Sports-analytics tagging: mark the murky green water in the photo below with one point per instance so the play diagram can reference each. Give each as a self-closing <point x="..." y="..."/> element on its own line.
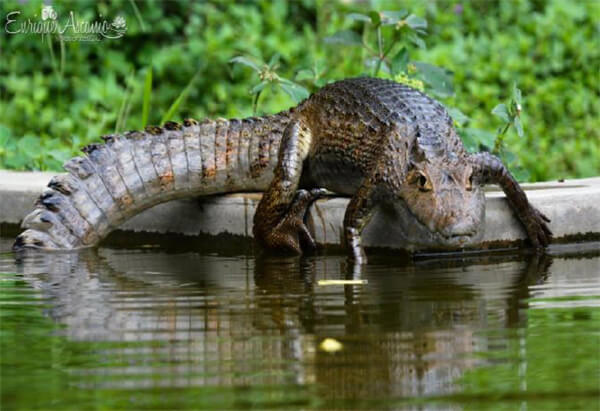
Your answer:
<point x="146" y="328"/>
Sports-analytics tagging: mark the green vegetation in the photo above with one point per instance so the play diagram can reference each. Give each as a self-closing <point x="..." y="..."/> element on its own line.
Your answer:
<point x="175" y="61"/>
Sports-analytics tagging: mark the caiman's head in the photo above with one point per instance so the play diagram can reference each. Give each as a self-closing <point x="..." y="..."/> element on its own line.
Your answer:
<point x="442" y="206"/>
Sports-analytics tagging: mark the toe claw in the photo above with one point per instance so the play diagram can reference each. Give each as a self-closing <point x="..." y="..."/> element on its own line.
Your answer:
<point x="538" y="231"/>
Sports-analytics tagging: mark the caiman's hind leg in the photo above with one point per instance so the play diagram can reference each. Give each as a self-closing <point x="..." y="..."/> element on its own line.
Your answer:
<point x="279" y="219"/>
<point x="489" y="169"/>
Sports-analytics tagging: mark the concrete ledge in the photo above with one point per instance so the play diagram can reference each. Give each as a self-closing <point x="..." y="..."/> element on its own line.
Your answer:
<point x="573" y="206"/>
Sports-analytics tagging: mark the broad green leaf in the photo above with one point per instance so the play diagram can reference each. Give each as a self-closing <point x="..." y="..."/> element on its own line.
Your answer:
<point x="457" y="115"/>
<point x="437" y="78"/>
<point x="295" y="91"/>
<point x="146" y="97"/>
<point x="274" y="60"/>
<point x="18" y="161"/>
<point x="246" y="62"/>
<point x="375" y="17"/>
<point x="400" y="61"/>
<point x="393" y="17"/>
<point x="347" y="37"/>
<point x="305" y="74"/>
<point x="508" y="156"/>
<point x="518" y="126"/>
<point x="520" y="174"/>
<point x="29" y="145"/>
<point x="259" y="87"/>
<point x="476" y="139"/>
<point x="417" y="40"/>
<point x="501" y="112"/>
<point x="416" y="22"/>
<point x="359" y="17"/>
<point x="59" y="155"/>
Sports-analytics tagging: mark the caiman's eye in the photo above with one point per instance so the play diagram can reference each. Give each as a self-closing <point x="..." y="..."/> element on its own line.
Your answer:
<point x="423" y="183"/>
<point x="469" y="184"/>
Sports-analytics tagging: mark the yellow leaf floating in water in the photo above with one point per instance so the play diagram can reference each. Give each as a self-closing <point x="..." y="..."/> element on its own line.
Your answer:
<point x="330" y="345"/>
<point x="342" y="282"/>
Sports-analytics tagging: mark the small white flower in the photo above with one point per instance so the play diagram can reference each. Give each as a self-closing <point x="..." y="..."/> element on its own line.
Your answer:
<point x="119" y="22"/>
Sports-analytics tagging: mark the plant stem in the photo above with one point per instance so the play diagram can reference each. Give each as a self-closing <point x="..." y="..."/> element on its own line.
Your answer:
<point x="500" y="139"/>
<point x="255" y="103"/>
<point x="380" y="55"/>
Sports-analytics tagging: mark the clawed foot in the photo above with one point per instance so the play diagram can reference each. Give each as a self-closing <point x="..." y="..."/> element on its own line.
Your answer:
<point x="357" y="253"/>
<point x="535" y="223"/>
<point x="292" y="234"/>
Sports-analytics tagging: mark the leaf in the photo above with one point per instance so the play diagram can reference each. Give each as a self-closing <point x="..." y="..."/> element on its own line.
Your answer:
<point x="518" y="126"/>
<point x="259" y="87"/>
<point x="359" y="17"/>
<point x="30" y="146"/>
<point x="457" y="115"/>
<point x="59" y="155"/>
<point x="305" y="74"/>
<point x="400" y="61"/>
<point x="246" y="62"/>
<point x="347" y="37"/>
<point x="5" y="138"/>
<point x="475" y="138"/>
<point x="416" y="22"/>
<point x="509" y="156"/>
<point x="516" y="94"/>
<point x="146" y="97"/>
<point x="5" y="134"/>
<point x="175" y="106"/>
<point x="437" y="78"/>
<point x="393" y="17"/>
<point x="274" y="60"/>
<point x="371" y="62"/>
<point x="501" y="112"/>
<point x="375" y="17"/>
<point x="342" y="282"/>
<point x="520" y="174"/>
<point x="18" y="161"/>
<point x="417" y="41"/>
<point x="295" y="91"/>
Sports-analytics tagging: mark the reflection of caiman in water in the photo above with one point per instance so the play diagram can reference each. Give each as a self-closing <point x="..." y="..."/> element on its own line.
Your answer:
<point x="243" y="321"/>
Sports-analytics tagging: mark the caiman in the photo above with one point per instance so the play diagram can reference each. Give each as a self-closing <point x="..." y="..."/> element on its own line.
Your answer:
<point x="375" y="140"/>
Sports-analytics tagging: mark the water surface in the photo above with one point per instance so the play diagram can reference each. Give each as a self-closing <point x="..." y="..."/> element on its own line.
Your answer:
<point x="161" y="328"/>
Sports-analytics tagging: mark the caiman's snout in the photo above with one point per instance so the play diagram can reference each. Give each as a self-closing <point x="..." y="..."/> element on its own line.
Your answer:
<point x="460" y="229"/>
<point x="460" y="233"/>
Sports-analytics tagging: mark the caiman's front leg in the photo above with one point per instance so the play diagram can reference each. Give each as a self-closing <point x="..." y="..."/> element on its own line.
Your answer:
<point x="279" y="219"/>
<point x="358" y="213"/>
<point x="489" y="169"/>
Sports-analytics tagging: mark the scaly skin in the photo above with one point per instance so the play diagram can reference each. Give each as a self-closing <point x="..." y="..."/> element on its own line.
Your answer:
<point x="137" y="170"/>
<point x="382" y="142"/>
<point x="376" y="140"/>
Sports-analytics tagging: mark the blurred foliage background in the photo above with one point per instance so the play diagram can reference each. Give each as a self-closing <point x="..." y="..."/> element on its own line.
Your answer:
<point x="56" y="96"/>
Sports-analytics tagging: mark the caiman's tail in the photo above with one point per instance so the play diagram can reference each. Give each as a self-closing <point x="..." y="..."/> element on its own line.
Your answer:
<point x="139" y="169"/>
